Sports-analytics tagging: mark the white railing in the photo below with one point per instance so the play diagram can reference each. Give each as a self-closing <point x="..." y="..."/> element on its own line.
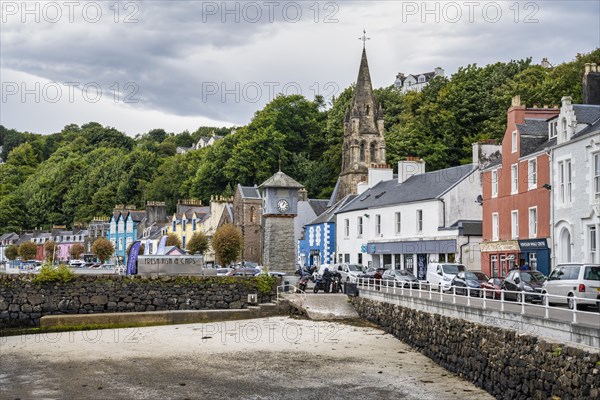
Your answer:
<point x="484" y="297"/>
<point x="291" y="292"/>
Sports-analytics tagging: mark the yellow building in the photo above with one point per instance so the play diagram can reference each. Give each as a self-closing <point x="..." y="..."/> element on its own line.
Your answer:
<point x="191" y="217"/>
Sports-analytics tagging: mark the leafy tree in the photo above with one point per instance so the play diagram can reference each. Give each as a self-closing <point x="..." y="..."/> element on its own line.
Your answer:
<point x="173" y="240"/>
<point x="12" y="252"/>
<point x="49" y="249"/>
<point x="76" y="251"/>
<point x="198" y="244"/>
<point x="28" y="250"/>
<point x="103" y="249"/>
<point x="227" y="243"/>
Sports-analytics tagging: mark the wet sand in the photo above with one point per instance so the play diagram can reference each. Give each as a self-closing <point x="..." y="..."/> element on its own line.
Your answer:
<point x="271" y="358"/>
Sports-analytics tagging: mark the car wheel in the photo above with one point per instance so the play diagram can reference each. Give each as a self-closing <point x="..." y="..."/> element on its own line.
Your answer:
<point x="315" y="289"/>
<point x="571" y="301"/>
<point x="519" y="297"/>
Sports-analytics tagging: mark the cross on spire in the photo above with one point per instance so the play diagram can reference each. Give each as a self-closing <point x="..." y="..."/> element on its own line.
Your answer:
<point x="364" y="38"/>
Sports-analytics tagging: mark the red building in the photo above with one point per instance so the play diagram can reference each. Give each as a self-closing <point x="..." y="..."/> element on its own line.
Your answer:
<point x="516" y="195"/>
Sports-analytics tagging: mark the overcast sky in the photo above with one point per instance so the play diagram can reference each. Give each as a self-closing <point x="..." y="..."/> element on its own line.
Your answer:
<point x="182" y="64"/>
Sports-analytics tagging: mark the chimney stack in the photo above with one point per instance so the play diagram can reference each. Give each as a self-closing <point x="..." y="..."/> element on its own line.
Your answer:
<point x="591" y="84"/>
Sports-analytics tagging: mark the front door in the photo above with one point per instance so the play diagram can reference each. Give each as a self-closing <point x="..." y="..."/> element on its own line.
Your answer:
<point x="421" y="266"/>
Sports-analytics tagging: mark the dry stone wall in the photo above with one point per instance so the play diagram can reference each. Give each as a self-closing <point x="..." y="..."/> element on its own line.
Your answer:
<point x="23" y="302"/>
<point x="504" y="363"/>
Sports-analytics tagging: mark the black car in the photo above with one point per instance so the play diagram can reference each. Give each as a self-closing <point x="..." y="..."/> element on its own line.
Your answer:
<point x="471" y="280"/>
<point x="528" y="282"/>
<point x="401" y="278"/>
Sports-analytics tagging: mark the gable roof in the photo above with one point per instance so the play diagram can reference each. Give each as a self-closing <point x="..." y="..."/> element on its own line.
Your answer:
<point x="249" y="192"/>
<point x="318" y="206"/>
<point x="427" y="186"/>
<point x="329" y="214"/>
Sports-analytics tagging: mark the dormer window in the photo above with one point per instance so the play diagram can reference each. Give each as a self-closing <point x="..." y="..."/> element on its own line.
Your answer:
<point x="514" y="142"/>
<point x="421" y="79"/>
<point x="552" y="129"/>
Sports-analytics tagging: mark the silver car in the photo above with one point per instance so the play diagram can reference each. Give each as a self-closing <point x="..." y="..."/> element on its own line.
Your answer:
<point x="574" y="280"/>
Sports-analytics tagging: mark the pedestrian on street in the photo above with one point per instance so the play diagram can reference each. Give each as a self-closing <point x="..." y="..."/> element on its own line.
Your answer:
<point x="377" y="277"/>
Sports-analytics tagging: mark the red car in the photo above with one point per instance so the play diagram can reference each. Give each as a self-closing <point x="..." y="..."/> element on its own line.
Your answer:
<point x="493" y="288"/>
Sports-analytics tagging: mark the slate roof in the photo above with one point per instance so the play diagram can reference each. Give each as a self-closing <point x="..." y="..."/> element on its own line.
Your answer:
<point x="586" y="113"/>
<point x="592" y="128"/>
<point x="329" y="214"/>
<point x="281" y="180"/>
<point x="467" y="227"/>
<point x="318" y="206"/>
<point x="137" y="216"/>
<point x="10" y="235"/>
<point x="430" y="185"/>
<point x="334" y="194"/>
<point x="24" y="238"/>
<point x="189" y="211"/>
<point x="544" y="145"/>
<point x="249" y="192"/>
<point x="533" y="127"/>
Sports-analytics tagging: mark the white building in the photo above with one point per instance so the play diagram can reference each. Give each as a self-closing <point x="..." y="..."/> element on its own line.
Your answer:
<point x="418" y="218"/>
<point x="408" y="83"/>
<point x="576" y="183"/>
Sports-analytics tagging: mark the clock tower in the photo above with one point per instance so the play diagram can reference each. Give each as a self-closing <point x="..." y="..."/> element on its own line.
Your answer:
<point x="280" y="207"/>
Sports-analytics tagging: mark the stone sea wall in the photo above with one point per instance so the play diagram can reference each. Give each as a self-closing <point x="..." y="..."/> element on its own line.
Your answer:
<point x="504" y="363"/>
<point x="23" y="302"/>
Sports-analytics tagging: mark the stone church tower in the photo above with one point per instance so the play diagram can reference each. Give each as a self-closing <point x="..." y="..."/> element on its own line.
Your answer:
<point x="364" y="144"/>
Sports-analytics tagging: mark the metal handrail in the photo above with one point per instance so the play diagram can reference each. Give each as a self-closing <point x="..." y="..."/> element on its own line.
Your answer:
<point x="296" y="292"/>
<point x="389" y="286"/>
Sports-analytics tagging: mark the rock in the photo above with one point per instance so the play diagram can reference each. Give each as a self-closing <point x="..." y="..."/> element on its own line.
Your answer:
<point x="99" y="299"/>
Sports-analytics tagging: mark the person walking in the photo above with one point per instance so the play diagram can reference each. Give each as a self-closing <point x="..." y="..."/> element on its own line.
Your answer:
<point x="377" y="277"/>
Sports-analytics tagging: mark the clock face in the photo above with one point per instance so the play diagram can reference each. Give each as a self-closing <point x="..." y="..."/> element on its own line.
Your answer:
<point x="283" y="205"/>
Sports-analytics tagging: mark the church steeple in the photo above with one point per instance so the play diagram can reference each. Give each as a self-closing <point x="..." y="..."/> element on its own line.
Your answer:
<point x="364" y="106"/>
<point x="364" y="144"/>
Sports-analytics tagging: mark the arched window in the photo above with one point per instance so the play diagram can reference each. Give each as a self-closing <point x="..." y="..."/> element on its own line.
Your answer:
<point x="252" y="210"/>
<point x="372" y="151"/>
<point x="362" y="151"/>
<point x="564" y="128"/>
<point x="368" y="110"/>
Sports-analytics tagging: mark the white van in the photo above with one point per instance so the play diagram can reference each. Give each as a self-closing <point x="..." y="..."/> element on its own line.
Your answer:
<point x="439" y="275"/>
<point x="76" y="263"/>
<point x="574" y="280"/>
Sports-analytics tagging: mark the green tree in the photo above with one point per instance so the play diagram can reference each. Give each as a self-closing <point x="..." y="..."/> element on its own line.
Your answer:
<point x="49" y="250"/>
<point x="12" y="252"/>
<point x="76" y="251"/>
<point x="227" y="243"/>
<point x="198" y="244"/>
<point x="28" y="250"/>
<point x="173" y="240"/>
<point x="103" y="249"/>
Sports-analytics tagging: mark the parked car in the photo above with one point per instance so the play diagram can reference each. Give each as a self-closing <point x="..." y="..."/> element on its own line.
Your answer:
<point x="574" y="280"/>
<point x="244" y="272"/>
<point x="223" y="271"/>
<point x="469" y="282"/>
<point x="349" y="272"/>
<point x="370" y="272"/>
<point x="401" y="278"/>
<point x="528" y="283"/>
<point x="76" y="263"/>
<point x="493" y="288"/>
<point x="439" y="275"/>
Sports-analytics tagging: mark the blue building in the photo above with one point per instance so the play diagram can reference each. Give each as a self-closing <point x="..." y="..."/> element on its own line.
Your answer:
<point x="316" y="245"/>
<point x="124" y="229"/>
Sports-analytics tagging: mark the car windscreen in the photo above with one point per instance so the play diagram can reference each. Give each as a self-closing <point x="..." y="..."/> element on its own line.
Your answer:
<point x="592" y="273"/>
<point x="453" y="268"/>
<point x="352" y="267"/>
<point x="532" y="276"/>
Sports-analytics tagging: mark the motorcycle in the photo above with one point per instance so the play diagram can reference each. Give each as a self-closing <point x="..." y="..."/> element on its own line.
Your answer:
<point x="322" y="283"/>
<point x="303" y="282"/>
<point x="336" y="282"/>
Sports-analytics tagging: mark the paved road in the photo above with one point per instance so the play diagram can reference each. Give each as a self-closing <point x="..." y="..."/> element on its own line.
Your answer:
<point x="589" y="317"/>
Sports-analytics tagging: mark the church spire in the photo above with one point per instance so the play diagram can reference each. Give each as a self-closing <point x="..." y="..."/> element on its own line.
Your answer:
<point x="364" y="106"/>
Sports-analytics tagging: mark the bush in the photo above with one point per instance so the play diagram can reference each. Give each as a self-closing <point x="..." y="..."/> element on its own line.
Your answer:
<point x="48" y="273"/>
